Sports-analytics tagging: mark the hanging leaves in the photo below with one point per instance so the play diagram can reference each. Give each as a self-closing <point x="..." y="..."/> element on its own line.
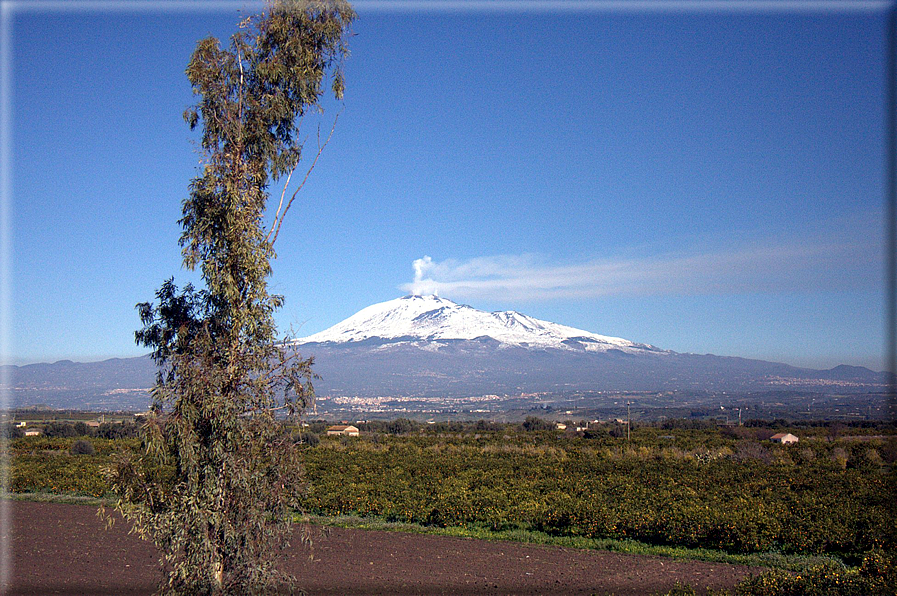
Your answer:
<point x="220" y="474"/>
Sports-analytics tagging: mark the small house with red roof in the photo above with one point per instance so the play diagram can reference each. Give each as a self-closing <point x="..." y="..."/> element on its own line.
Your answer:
<point x="342" y="429"/>
<point x="783" y="438"/>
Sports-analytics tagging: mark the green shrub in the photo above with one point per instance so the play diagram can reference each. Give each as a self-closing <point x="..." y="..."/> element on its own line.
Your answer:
<point x="535" y="423"/>
<point x="60" y="430"/>
<point x="82" y="448"/>
<point x="117" y="430"/>
<point x="309" y="438"/>
<point x="876" y="576"/>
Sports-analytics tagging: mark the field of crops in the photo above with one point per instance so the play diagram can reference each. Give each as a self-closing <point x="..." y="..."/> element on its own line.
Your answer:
<point x="694" y="488"/>
<point x="567" y="488"/>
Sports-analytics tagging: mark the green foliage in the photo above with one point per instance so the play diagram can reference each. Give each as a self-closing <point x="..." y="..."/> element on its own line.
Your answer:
<point x="83" y="430"/>
<point x="60" y="429"/>
<point x="124" y="430"/>
<point x="685" y="423"/>
<point x="58" y="446"/>
<point x="218" y="479"/>
<point x="876" y="576"/>
<point x="48" y="471"/>
<point x="534" y="423"/>
<point x="308" y="438"/>
<point x="83" y="447"/>
<point x="689" y="492"/>
<point x="400" y="426"/>
<point x="704" y="498"/>
<point x="107" y="430"/>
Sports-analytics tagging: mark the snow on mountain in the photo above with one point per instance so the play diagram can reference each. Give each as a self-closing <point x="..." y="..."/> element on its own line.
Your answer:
<point x="431" y="318"/>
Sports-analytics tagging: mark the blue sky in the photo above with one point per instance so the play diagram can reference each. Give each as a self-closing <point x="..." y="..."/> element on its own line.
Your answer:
<point x="707" y="181"/>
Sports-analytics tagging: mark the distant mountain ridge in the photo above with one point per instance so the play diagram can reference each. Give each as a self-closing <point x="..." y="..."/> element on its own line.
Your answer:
<point x="113" y="384"/>
<point x="431" y="346"/>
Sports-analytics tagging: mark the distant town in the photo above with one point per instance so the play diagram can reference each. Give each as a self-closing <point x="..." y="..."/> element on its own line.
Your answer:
<point x="721" y="408"/>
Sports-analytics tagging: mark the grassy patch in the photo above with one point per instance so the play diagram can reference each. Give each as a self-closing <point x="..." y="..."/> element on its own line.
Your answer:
<point x="71" y="499"/>
<point x="632" y="547"/>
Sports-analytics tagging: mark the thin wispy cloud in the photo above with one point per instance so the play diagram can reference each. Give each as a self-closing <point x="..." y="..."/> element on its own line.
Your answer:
<point x="760" y="267"/>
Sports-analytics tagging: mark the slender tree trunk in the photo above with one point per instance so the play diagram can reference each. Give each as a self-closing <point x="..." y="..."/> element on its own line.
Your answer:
<point x="217" y="574"/>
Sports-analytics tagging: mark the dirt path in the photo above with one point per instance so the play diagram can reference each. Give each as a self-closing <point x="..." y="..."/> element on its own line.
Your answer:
<point x="65" y="549"/>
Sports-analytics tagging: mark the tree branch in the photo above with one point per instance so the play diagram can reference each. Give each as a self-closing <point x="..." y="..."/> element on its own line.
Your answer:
<point x="285" y="186"/>
<point x="279" y="222"/>
<point x="280" y="206"/>
<point x="240" y="99"/>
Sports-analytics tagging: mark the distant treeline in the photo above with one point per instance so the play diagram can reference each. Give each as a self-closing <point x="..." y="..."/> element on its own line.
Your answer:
<point x="46" y="413"/>
<point x="107" y="430"/>
<point x="401" y="426"/>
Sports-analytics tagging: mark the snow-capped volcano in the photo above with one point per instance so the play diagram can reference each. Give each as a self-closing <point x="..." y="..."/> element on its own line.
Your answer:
<point x="434" y="349"/>
<point x="431" y="318"/>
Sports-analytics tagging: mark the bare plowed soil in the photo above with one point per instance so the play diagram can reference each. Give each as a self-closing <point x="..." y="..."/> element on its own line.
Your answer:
<point x="66" y="549"/>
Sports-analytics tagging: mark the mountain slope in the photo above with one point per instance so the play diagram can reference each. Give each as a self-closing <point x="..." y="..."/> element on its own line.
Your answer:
<point x="430" y="318"/>
<point x="426" y="345"/>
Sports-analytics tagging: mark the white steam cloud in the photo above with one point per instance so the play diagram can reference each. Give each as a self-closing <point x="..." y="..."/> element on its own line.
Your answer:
<point x="760" y="267"/>
<point x="421" y="286"/>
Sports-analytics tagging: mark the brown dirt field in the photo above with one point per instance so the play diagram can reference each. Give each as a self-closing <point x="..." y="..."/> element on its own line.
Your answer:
<point x="65" y="549"/>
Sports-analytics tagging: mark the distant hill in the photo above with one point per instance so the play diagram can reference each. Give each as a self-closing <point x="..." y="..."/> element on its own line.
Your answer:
<point x="114" y="384"/>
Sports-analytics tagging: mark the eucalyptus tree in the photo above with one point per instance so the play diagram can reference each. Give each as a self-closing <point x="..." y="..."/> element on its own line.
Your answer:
<point x="217" y="482"/>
